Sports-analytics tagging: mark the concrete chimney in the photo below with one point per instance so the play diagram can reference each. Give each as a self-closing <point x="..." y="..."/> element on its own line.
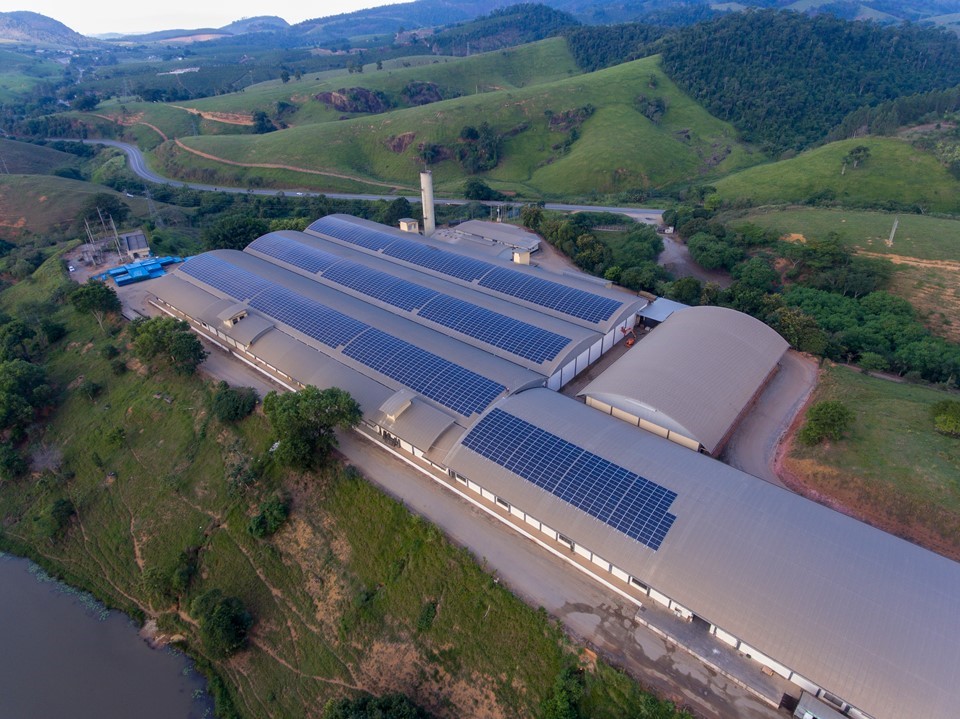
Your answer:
<point x="426" y="197"/>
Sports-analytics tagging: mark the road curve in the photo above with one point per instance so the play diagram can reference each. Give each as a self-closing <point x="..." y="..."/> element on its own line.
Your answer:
<point x="139" y="166"/>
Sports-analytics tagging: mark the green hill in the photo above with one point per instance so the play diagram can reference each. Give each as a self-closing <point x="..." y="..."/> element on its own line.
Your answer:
<point x="23" y="158"/>
<point x="40" y="204"/>
<point x="895" y="175"/>
<point x="576" y="136"/>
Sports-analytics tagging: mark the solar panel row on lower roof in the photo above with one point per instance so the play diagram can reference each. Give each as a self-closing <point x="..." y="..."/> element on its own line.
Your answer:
<point x="546" y="293"/>
<point x="315" y="320"/>
<point x="520" y="338"/>
<point x="223" y="276"/>
<point x="293" y="253"/>
<point x="613" y="494"/>
<point x="430" y="375"/>
<point x="387" y="288"/>
<point x="451" y="385"/>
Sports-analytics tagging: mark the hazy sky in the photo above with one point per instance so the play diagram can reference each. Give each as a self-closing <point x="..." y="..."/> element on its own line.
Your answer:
<point x="96" y="17"/>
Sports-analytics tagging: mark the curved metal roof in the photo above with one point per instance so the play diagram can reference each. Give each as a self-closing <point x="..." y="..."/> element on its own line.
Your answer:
<point x="865" y="615"/>
<point x="693" y="374"/>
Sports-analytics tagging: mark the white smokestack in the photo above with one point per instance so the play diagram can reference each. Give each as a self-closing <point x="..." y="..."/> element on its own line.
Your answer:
<point x="426" y="197"/>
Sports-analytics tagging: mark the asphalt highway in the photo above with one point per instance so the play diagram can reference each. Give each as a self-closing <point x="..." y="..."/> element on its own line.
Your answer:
<point x="139" y="166"/>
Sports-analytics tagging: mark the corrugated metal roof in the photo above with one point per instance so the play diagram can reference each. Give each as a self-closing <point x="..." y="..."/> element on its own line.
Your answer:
<point x="661" y="308"/>
<point x="867" y="616"/>
<point x="699" y="370"/>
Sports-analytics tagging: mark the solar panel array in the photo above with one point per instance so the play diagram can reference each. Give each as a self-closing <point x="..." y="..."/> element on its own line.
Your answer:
<point x="546" y="293"/>
<point x="379" y="285"/>
<point x="224" y="276"/>
<point x="432" y="376"/>
<point x="613" y="494"/>
<point x="332" y="328"/>
<point x="520" y="338"/>
<point x="569" y="300"/>
<point x="449" y="384"/>
<point x="293" y="253"/>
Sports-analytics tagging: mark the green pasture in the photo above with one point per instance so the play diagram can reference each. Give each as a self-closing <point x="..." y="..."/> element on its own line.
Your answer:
<point x="895" y="171"/>
<point x="920" y="236"/>
<point x="893" y="466"/>
<point x="618" y="147"/>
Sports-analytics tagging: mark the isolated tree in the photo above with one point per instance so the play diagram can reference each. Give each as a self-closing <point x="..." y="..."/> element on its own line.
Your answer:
<point x="13" y="340"/>
<point x="224" y="622"/>
<point x="169" y="340"/>
<point x="946" y="417"/>
<point x="262" y="123"/>
<point x="304" y="423"/>
<point x="284" y="76"/>
<point x="858" y="154"/>
<point x="531" y="216"/>
<point x="231" y="404"/>
<point x="96" y="298"/>
<point x="829" y="419"/>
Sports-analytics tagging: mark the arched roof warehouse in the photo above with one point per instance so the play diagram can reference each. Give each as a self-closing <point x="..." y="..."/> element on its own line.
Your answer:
<point x="694" y="375"/>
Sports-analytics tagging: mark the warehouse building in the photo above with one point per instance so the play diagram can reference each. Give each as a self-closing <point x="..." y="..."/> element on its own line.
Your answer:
<point x="452" y="358"/>
<point x="693" y="378"/>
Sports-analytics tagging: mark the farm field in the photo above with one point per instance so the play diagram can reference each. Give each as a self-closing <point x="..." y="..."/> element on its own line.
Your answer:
<point x="893" y="470"/>
<point x="895" y="171"/>
<point x="615" y="148"/>
<point x="925" y="253"/>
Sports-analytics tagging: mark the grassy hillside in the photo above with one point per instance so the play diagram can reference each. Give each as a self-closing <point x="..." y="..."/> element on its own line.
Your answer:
<point x="38" y="204"/>
<point x="22" y="158"/>
<point x="618" y="147"/>
<point x="353" y="595"/>
<point x="925" y="252"/>
<point x="518" y="67"/>
<point x="895" y="171"/>
<point x="917" y="236"/>
<point x="893" y="470"/>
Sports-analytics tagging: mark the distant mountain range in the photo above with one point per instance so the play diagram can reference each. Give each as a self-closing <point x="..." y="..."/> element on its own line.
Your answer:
<point x="33" y="28"/>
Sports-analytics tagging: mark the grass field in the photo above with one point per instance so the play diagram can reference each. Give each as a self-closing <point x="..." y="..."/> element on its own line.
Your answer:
<point x="893" y="470"/>
<point x="925" y="250"/>
<point x="23" y="158"/>
<point x="618" y="147"/>
<point x="895" y="171"/>
<point x="34" y="205"/>
<point x="354" y="595"/>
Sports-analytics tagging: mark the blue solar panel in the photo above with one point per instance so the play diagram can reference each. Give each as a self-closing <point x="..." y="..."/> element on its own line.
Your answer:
<point x="613" y="494"/>
<point x="294" y="253"/>
<point x="546" y="293"/>
<point x="223" y="276"/>
<point x="373" y="283"/>
<point x="365" y="237"/>
<point x="433" y="258"/>
<point x="520" y="338"/>
<point x="315" y="320"/>
<point x="449" y="384"/>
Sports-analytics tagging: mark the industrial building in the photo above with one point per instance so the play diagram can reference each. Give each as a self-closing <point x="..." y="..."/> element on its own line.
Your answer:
<point x="456" y="359"/>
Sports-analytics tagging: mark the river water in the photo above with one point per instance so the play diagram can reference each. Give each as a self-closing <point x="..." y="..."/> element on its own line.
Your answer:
<point x="63" y="655"/>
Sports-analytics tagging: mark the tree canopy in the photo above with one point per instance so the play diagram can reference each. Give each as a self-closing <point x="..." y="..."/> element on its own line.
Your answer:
<point x="389" y="706"/>
<point x="96" y="298"/>
<point x="170" y="341"/>
<point x="224" y="622"/>
<point x="304" y="423"/>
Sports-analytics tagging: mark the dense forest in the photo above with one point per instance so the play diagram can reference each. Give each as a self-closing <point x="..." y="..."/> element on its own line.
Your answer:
<point x="596" y="47"/>
<point x="506" y="27"/>
<point x="785" y="79"/>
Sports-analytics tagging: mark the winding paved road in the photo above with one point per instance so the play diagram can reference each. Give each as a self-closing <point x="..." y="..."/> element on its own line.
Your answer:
<point x="139" y="166"/>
